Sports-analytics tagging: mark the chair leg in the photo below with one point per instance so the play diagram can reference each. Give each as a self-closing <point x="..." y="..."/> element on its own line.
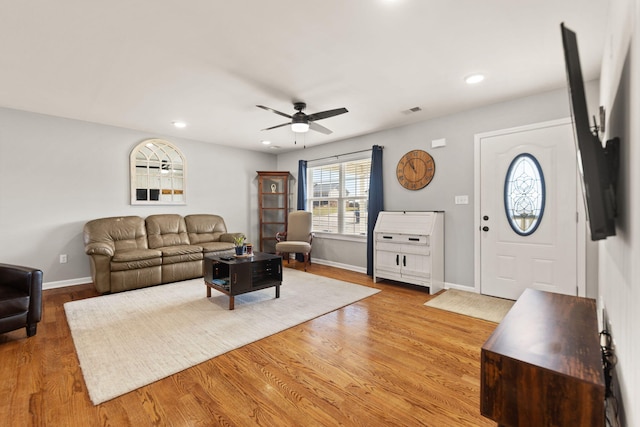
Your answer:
<point x="306" y="261"/>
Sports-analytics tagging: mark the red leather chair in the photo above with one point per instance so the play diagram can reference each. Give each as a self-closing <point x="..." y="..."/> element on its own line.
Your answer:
<point x="20" y="298"/>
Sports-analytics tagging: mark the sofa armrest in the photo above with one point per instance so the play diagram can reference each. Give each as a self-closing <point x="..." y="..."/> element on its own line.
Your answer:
<point x="99" y="248"/>
<point x="229" y="237"/>
<point x="27" y="280"/>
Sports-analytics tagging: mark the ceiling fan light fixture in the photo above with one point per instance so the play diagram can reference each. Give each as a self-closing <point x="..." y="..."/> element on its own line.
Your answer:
<point x="300" y="127"/>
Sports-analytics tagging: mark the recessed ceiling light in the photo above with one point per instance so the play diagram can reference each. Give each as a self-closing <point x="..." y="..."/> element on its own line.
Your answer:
<point x="266" y="142"/>
<point x="179" y="125"/>
<point x="274" y="147"/>
<point x="474" y="78"/>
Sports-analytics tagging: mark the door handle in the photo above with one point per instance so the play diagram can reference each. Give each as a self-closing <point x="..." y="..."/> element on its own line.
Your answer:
<point x="397" y="259"/>
<point x="404" y="260"/>
<point x="485" y="228"/>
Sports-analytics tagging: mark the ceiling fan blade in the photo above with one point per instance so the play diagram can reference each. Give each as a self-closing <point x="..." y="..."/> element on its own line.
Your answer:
<point x="277" y="126"/>
<point x="325" y="114"/>
<point x="318" y="128"/>
<point x="274" y="111"/>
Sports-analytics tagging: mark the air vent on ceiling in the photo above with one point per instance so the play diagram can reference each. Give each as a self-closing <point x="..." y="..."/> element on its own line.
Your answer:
<point x="412" y="110"/>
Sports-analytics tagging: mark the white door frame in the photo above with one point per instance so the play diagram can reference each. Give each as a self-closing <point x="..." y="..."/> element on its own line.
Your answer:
<point x="581" y="227"/>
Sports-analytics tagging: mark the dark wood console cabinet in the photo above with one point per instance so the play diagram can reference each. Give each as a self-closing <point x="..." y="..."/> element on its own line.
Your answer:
<point x="542" y="366"/>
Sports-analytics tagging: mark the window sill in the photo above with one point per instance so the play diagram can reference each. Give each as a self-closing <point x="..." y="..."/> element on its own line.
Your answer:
<point x="343" y="237"/>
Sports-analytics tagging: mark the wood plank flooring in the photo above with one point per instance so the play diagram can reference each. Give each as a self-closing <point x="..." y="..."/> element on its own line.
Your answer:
<point x="386" y="360"/>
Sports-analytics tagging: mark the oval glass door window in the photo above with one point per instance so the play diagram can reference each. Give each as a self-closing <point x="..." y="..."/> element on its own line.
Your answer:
<point x="524" y="194"/>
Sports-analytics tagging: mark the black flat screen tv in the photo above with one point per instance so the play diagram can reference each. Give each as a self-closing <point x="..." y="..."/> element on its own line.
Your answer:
<point x="598" y="165"/>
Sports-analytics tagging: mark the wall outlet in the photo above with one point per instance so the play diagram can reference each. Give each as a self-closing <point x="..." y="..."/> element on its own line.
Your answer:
<point x="63" y="258"/>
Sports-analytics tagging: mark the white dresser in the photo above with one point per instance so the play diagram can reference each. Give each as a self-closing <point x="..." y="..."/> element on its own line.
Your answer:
<point x="409" y="247"/>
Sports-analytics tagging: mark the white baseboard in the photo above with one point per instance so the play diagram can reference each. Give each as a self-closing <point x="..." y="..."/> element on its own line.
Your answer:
<point x="448" y="285"/>
<point x="65" y="283"/>
<point x="339" y="265"/>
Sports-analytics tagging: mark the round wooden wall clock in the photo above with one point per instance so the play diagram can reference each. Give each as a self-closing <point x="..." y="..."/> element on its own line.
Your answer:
<point x="415" y="170"/>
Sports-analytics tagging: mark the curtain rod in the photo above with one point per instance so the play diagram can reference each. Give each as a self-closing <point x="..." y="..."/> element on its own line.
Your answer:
<point x="343" y="154"/>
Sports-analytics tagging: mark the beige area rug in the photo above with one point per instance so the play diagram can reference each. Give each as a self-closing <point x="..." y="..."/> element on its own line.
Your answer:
<point x="128" y="340"/>
<point x="472" y="304"/>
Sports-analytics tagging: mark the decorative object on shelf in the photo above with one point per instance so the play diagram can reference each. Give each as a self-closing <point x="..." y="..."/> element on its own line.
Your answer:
<point x="415" y="170"/>
<point x="273" y="207"/>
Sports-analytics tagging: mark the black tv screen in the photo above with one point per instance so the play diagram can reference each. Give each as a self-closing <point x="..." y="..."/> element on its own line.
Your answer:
<point x="597" y="164"/>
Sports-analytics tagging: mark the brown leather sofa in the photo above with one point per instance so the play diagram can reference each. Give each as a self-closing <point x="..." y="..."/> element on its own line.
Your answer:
<point x="131" y="252"/>
<point x="20" y="298"/>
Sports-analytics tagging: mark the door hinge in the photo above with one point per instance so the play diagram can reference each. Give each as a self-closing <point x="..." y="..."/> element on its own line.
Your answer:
<point x="577" y="217"/>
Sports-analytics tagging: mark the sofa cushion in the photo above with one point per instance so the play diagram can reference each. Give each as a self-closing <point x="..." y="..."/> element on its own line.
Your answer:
<point x="166" y="230"/>
<point x="136" y="255"/>
<point x="118" y="233"/>
<point x="182" y="253"/>
<point x="216" y="246"/>
<point x="204" y="228"/>
<point x="134" y="259"/>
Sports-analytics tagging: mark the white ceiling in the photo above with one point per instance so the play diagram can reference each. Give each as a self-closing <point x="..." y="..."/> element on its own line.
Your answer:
<point x="144" y="64"/>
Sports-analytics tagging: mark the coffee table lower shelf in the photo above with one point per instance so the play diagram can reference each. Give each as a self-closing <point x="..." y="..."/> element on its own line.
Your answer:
<point x="242" y="275"/>
<point x="232" y="296"/>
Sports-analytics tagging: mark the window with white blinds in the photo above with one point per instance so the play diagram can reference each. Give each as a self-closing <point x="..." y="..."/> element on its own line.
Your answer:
<point x="337" y="195"/>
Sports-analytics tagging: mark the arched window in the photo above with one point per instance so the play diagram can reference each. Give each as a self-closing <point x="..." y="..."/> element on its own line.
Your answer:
<point x="158" y="172"/>
<point x="524" y="194"/>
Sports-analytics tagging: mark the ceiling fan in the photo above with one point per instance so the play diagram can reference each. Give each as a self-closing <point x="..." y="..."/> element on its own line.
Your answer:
<point x="301" y="122"/>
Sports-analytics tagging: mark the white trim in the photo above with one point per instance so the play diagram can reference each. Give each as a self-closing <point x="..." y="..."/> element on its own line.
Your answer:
<point x="581" y="246"/>
<point x="339" y="265"/>
<point x="344" y="237"/>
<point x="465" y="288"/>
<point x="65" y="283"/>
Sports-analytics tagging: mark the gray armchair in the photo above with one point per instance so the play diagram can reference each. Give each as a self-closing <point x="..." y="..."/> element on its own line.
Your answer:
<point x="298" y="237"/>
<point x="20" y="298"/>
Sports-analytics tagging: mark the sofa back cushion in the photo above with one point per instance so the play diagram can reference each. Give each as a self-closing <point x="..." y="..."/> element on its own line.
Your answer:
<point x="166" y="230"/>
<point x="120" y="233"/>
<point x="203" y="228"/>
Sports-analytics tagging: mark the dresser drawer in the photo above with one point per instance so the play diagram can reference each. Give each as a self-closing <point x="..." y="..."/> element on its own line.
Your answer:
<point x="415" y="239"/>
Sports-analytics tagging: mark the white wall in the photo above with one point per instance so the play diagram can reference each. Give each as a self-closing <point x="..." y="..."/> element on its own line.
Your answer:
<point x="60" y="173"/>
<point x="454" y="172"/>
<point x="620" y="255"/>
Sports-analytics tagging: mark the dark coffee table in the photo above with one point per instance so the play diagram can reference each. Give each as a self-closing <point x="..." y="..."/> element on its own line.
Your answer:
<point x="242" y="274"/>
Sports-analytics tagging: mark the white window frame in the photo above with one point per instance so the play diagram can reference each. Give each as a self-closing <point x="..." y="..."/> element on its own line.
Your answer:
<point x="341" y="199"/>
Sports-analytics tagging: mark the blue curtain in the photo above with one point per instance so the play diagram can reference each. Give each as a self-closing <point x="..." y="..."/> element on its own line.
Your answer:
<point x="302" y="193"/>
<point x="302" y="185"/>
<point x="376" y="201"/>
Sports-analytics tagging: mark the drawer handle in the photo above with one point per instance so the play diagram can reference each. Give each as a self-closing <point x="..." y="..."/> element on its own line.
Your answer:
<point x="414" y="239"/>
<point x="387" y="237"/>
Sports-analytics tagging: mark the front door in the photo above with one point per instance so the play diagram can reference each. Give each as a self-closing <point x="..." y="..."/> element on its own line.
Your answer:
<point x="528" y="224"/>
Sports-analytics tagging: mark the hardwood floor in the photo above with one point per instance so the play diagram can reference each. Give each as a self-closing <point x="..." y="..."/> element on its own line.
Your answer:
<point x="385" y="360"/>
